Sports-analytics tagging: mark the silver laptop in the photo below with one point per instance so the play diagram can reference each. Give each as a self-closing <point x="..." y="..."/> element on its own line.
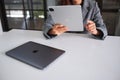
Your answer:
<point x="35" y="54"/>
<point x="70" y="16"/>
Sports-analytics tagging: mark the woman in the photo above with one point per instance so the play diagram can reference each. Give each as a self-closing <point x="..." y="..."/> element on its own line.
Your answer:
<point x="92" y="20"/>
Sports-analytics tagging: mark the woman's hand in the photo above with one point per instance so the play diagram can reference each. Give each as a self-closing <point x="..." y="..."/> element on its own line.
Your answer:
<point x="58" y="29"/>
<point x="91" y="27"/>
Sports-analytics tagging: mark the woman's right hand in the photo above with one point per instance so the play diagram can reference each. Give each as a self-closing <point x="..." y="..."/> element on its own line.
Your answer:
<point x="58" y="29"/>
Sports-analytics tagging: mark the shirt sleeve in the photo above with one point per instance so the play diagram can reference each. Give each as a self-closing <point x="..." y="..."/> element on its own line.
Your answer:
<point x="48" y="26"/>
<point x="97" y="18"/>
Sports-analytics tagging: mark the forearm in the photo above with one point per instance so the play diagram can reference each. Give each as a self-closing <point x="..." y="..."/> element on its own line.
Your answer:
<point x="102" y="32"/>
<point x="47" y="27"/>
<point x="100" y="26"/>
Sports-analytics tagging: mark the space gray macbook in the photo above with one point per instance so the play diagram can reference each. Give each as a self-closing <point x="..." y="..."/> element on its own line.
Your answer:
<point x="70" y="16"/>
<point x="35" y="54"/>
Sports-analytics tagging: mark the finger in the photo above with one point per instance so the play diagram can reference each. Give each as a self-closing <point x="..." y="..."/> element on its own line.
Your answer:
<point x="91" y="26"/>
<point x="92" y="30"/>
<point x="89" y="22"/>
<point x="56" y="27"/>
<point x="60" y="25"/>
<point x="62" y="29"/>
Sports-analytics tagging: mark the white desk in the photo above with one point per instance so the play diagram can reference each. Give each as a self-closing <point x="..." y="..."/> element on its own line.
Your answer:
<point x="85" y="58"/>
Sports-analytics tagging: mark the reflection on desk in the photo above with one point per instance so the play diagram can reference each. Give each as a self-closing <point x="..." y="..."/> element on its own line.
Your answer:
<point x="85" y="58"/>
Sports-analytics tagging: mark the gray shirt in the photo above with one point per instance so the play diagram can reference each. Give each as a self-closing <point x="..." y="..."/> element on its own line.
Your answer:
<point x="90" y="11"/>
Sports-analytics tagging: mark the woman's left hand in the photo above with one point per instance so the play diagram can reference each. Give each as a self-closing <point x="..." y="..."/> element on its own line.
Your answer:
<point x="91" y="27"/>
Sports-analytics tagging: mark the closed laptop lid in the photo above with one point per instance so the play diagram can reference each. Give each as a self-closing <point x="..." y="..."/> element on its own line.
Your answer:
<point x="68" y="15"/>
<point x="35" y="54"/>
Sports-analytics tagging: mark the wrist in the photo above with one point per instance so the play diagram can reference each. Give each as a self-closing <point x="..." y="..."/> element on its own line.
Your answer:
<point x="96" y="33"/>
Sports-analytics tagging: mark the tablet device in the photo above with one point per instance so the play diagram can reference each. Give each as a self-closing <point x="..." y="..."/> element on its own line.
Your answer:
<point x="35" y="54"/>
<point x="68" y="15"/>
